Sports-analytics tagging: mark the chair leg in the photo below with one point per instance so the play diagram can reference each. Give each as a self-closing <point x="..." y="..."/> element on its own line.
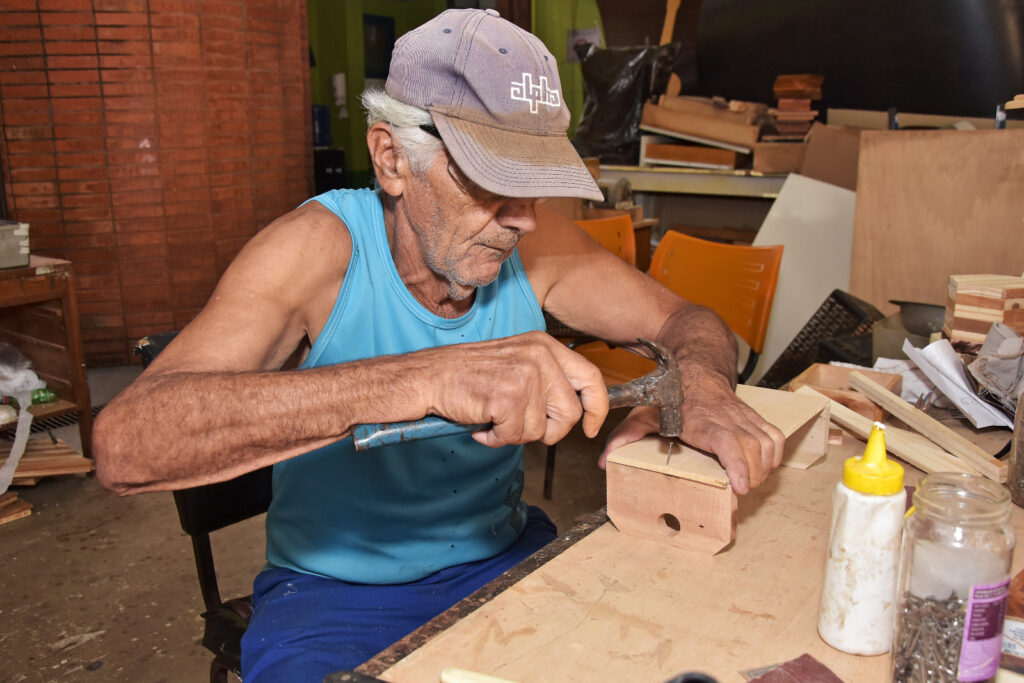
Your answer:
<point x="549" y="472"/>
<point x="219" y="671"/>
<point x="748" y="369"/>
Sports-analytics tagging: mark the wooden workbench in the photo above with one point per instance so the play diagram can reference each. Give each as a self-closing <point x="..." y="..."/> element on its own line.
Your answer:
<point x="612" y="607"/>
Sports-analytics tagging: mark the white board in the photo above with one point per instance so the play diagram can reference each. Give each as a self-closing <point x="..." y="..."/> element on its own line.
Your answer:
<point x="814" y="223"/>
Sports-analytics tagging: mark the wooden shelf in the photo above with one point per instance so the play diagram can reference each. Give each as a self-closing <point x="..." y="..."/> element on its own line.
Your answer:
<point x="39" y="316"/>
<point x="45" y="410"/>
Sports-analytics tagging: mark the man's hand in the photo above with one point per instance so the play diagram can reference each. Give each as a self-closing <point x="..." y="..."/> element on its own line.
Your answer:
<point x="717" y="421"/>
<point x="526" y="386"/>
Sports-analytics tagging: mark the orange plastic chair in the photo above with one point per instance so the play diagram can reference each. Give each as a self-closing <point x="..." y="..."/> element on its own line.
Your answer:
<point x="614" y="233"/>
<point x="735" y="281"/>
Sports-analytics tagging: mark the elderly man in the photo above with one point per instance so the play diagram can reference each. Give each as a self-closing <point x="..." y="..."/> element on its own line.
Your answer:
<point x="422" y="297"/>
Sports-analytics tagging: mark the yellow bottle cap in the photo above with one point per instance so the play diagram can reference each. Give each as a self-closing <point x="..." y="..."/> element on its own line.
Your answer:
<point x="873" y="473"/>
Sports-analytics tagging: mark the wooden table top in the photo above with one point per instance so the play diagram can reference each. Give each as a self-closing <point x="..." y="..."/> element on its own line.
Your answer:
<point x="614" y="607"/>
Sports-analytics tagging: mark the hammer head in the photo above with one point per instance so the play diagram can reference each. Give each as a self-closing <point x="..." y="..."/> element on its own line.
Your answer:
<point x="662" y="388"/>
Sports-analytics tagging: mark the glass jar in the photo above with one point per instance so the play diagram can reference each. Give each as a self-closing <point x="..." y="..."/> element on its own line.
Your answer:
<point x="954" y="580"/>
<point x="1015" y="475"/>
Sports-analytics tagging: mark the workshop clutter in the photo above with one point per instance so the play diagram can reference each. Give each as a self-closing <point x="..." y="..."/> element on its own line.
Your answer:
<point x="720" y="134"/>
<point x="616" y="83"/>
<point x="25" y="460"/>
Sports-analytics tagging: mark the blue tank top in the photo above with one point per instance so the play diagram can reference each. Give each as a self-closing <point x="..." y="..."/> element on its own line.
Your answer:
<point x="398" y="513"/>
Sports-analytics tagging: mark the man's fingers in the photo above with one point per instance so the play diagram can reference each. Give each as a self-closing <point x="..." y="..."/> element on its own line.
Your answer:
<point x="532" y="394"/>
<point x="585" y="378"/>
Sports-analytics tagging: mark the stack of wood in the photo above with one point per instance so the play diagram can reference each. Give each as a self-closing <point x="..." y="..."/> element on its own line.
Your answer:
<point x="700" y="132"/>
<point x="794" y="94"/>
<point x="928" y="445"/>
<point x="42" y="458"/>
<point x="975" y="302"/>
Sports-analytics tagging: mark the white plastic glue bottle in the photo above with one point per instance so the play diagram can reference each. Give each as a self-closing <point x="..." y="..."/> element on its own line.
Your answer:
<point x="859" y="594"/>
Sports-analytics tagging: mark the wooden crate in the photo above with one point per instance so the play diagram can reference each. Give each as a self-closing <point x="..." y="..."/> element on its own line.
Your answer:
<point x="834" y="381"/>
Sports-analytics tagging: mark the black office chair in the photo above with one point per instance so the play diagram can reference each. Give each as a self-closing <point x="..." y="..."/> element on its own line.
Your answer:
<point x="205" y="509"/>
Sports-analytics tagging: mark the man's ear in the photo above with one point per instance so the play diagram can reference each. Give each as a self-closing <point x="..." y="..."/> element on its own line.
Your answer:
<point x="388" y="164"/>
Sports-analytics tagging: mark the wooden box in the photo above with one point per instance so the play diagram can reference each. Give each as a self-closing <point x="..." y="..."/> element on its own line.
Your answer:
<point x="834" y="381"/>
<point x="683" y="497"/>
<point x="779" y="157"/>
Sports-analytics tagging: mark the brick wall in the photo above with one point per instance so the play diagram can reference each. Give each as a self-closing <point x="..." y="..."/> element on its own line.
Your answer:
<point x="146" y="141"/>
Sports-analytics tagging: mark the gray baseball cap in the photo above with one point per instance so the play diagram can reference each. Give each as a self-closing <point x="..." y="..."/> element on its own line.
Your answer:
<point x="496" y="99"/>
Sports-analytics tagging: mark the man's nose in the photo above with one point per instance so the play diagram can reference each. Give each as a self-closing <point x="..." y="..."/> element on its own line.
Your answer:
<point x="519" y="214"/>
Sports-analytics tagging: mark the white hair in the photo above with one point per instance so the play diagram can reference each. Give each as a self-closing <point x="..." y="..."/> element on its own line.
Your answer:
<point x="420" y="148"/>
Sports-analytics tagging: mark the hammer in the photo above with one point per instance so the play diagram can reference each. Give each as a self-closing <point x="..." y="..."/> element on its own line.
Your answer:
<point x="662" y="387"/>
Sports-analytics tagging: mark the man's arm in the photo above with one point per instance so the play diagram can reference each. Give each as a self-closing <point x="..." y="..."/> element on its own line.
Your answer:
<point x="213" y="404"/>
<point x="592" y="290"/>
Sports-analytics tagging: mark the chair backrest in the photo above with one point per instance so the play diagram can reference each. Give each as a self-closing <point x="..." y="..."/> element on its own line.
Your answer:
<point x="737" y="282"/>
<point x="614" y="233"/>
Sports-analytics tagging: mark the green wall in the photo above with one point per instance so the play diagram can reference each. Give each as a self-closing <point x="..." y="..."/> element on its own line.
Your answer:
<point x="552" y="19"/>
<point x="336" y="40"/>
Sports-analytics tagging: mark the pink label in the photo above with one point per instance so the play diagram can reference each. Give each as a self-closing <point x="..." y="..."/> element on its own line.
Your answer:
<point x="983" y="631"/>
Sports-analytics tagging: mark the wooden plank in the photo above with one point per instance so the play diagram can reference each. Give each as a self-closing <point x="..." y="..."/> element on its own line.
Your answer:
<point x="734" y="111"/>
<point x="21" y="508"/>
<point x="695" y="156"/>
<point x="43" y="458"/>
<point x="669" y="456"/>
<point x="917" y="193"/>
<point x="905" y="445"/>
<point x="738" y="136"/>
<point x="931" y="428"/>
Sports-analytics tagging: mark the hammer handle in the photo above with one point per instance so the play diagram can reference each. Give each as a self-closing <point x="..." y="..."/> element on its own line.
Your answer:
<point x="365" y="437"/>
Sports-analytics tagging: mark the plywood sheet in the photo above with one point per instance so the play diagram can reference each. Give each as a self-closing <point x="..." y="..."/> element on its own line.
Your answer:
<point x="931" y="204"/>
<point x="813" y="220"/>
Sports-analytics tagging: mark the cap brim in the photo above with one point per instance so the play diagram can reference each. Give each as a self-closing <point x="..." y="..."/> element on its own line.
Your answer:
<point x="514" y="164"/>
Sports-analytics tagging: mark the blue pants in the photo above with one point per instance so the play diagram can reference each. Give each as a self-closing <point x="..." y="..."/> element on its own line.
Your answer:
<point x="304" y="627"/>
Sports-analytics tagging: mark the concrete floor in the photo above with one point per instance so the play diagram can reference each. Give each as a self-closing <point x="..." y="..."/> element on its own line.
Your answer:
<point x="101" y="588"/>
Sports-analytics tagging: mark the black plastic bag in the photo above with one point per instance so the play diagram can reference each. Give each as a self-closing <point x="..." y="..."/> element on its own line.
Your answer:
<point x="616" y="83"/>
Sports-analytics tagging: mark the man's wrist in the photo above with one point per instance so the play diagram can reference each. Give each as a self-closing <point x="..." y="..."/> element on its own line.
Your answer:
<point x="701" y="377"/>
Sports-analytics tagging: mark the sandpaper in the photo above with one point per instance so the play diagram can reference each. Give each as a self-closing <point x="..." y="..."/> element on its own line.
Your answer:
<point x="803" y="669"/>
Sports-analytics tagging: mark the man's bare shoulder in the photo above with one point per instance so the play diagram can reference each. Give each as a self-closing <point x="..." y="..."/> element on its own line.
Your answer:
<point x="309" y="231"/>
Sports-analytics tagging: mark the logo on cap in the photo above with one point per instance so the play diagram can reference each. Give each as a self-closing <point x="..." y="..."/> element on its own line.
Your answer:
<point x="526" y="91"/>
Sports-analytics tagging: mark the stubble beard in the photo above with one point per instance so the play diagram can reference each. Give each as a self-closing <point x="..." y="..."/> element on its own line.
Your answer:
<point x="444" y="264"/>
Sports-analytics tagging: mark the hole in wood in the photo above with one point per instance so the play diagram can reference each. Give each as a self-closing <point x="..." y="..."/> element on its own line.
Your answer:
<point x="669" y="524"/>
